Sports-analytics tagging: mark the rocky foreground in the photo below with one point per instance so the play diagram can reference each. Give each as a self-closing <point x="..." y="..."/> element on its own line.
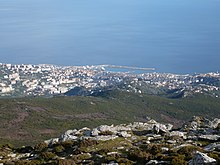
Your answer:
<point x="196" y="142"/>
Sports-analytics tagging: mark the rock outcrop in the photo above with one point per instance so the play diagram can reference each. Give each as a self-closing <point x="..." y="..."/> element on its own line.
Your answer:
<point x="202" y="159"/>
<point x="197" y="142"/>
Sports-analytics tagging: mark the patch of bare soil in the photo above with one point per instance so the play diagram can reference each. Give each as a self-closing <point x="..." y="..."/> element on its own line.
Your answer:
<point x="176" y="123"/>
<point x="36" y="108"/>
<point x="47" y="131"/>
<point x="87" y="116"/>
<point x="19" y="118"/>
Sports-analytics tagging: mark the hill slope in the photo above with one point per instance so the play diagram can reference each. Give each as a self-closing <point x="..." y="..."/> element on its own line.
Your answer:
<point x="30" y="120"/>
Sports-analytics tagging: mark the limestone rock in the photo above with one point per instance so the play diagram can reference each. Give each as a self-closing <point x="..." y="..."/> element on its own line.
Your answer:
<point x="124" y="134"/>
<point x="201" y="159"/>
<point x="178" y="133"/>
<point x="52" y="141"/>
<point x="105" y="138"/>
<point x="95" y="132"/>
<point x="68" y="135"/>
<point x="212" y="147"/>
<point x="210" y="137"/>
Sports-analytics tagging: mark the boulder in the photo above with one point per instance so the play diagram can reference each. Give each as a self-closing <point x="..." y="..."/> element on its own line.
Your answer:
<point x="201" y="159"/>
<point x="95" y="132"/>
<point x="70" y="132"/>
<point x="169" y="127"/>
<point x="105" y="138"/>
<point x="83" y="131"/>
<point x="212" y="147"/>
<point x="214" y="124"/>
<point x="177" y="133"/>
<point x="157" y="162"/>
<point x="52" y="141"/>
<point x="160" y="128"/>
<point x="124" y="134"/>
<point x="68" y="135"/>
<point x="104" y="128"/>
<point x="210" y="137"/>
<point x="121" y="127"/>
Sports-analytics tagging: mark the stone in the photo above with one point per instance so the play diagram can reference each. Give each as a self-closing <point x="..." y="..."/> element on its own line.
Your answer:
<point x="201" y="159"/>
<point x="82" y="131"/>
<point x="95" y="132"/>
<point x="152" y="162"/>
<point x="105" y="138"/>
<point x="182" y="145"/>
<point x="121" y="127"/>
<point x="212" y="147"/>
<point x="68" y="132"/>
<point x="157" y="162"/>
<point x="164" y="149"/>
<point x="67" y="136"/>
<point x="112" y="163"/>
<point x="210" y="137"/>
<point x="171" y="141"/>
<point x="177" y="133"/>
<point x="52" y="141"/>
<point x="160" y="128"/>
<point x="124" y="134"/>
<point x="169" y="127"/>
<point x="112" y="153"/>
<point x="104" y="128"/>
<point x="215" y="123"/>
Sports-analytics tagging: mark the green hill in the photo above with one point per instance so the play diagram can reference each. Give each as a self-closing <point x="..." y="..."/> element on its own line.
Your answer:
<point x="30" y="120"/>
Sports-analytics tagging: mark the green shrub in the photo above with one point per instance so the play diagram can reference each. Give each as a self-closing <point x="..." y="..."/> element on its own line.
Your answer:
<point x="47" y="156"/>
<point x="80" y="157"/>
<point x="40" y="147"/>
<point x="28" y="162"/>
<point x="59" y="149"/>
<point x="66" y="162"/>
<point x="87" y="142"/>
<point x="139" y="156"/>
<point x="188" y="151"/>
<point x="179" y="160"/>
<point x="155" y="149"/>
<point x="106" y="133"/>
<point x="68" y="144"/>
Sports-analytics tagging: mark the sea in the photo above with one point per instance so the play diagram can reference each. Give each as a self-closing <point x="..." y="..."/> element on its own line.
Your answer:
<point x="177" y="36"/>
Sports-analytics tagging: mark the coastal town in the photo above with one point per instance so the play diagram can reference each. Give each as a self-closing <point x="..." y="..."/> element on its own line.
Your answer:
<point x="47" y="80"/>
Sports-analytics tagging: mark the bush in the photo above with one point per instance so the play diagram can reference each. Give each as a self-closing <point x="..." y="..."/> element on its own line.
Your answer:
<point x="59" y="149"/>
<point x="139" y="156"/>
<point x="8" y="145"/>
<point x="26" y="149"/>
<point x="106" y="133"/>
<point x="188" y="151"/>
<point x="66" y="162"/>
<point x="87" y="143"/>
<point x="179" y="160"/>
<point x="80" y="157"/>
<point x="47" y="156"/>
<point x="68" y="144"/>
<point x="28" y="162"/>
<point x="155" y="149"/>
<point x="41" y="147"/>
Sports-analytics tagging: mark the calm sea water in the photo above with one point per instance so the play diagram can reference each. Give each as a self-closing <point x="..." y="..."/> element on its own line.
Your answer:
<point x="179" y="36"/>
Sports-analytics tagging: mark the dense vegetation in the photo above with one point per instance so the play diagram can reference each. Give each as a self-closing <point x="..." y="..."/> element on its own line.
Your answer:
<point x="31" y="120"/>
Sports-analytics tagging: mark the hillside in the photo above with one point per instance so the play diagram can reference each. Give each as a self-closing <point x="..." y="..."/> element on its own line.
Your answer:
<point x="30" y="120"/>
<point x="150" y="142"/>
